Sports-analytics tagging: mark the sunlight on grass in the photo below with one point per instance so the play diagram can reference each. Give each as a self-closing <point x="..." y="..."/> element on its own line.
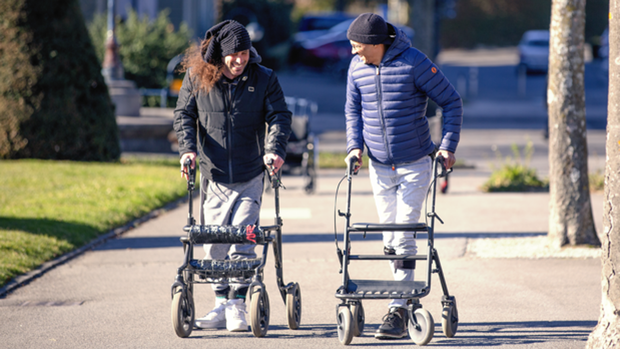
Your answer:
<point x="336" y="160"/>
<point x="55" y="206"/>
<point x="21" y="251"/>
<point x="597" y="181"/>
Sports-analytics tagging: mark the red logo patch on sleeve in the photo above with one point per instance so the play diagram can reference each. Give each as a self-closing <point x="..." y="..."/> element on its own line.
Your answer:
<point x="434" y="70"/>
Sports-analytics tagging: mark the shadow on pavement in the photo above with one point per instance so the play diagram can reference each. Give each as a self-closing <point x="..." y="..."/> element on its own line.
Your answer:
<point x="487" y="334"/>
<point x="473" y="334"/>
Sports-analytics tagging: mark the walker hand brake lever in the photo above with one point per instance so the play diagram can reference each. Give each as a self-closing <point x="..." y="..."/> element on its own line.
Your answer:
<point x="433" y="214"/>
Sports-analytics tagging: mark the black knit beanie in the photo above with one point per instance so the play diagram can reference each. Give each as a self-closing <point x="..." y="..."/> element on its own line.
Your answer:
<point x="228" y="37"/>
<point x="368" y="28"/>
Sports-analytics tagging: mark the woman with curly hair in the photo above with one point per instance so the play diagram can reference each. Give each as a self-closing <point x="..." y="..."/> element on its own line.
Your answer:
<point x="232" y="115"/>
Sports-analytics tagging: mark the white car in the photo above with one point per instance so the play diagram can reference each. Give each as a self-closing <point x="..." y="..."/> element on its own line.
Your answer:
<point x="534" y="51"/>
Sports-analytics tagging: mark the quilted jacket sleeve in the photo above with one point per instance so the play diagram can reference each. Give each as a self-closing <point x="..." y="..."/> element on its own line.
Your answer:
<point x="431" y="80"/>
<point x="186" y="117"/>
<point x="353" y="112"/>
<point x="278" y="118"/>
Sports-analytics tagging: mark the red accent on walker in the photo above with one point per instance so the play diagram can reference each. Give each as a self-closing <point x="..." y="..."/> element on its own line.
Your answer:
<point x="249" y="233"/>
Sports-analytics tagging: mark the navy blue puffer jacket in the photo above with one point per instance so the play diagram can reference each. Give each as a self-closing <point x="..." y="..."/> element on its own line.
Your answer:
<point x="386" y="105"/>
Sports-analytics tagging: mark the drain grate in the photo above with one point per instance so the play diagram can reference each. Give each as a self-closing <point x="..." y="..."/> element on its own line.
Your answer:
<point x="52" y="304"/>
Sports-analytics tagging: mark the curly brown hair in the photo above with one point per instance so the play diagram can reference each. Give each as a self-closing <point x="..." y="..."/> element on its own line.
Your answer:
<point x="203" y="74"/>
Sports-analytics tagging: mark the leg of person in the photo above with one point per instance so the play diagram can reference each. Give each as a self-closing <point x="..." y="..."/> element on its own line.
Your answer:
<point x="385" y="185"/>
<point x="399" y="195"/>
<point x="413" y="184"/>
<point x="246" y="211"/>
<point x="216" y="210"/>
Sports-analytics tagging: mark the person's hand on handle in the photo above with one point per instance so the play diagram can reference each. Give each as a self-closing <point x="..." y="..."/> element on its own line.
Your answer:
<point x="184" y="157"/>
<point x="449" y="158"/>
<point x="357" y="153"/>
<point x="273" y="162"/>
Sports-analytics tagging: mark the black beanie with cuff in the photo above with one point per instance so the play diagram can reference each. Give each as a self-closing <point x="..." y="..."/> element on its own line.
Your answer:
<point x="370" y="29"/>
<point x="227" y="37"/>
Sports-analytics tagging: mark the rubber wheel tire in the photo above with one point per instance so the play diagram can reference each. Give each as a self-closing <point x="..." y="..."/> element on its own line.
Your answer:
<point x="422" y="329"/>
<point x="259" y="312"/>
<point x="293" y="307"/>
<point x="344" y="321"/>
<point x="359" y="319"/>
<point x="182" y="312"/>
<point x="450" y="320"/>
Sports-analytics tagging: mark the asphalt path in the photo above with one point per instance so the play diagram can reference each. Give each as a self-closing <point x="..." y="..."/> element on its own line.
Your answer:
<point x="118" y="293"/>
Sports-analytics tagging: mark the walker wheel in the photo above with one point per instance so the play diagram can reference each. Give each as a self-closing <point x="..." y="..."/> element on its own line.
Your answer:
<point x="421" y="327"/>
<point x="293" y="306"/>
<point x="450" y="319"/>
<point x="259" y="311"/>
<point x="345" y="330"/>
<point x="182" y="312"/>
<point x="359" y="319"/>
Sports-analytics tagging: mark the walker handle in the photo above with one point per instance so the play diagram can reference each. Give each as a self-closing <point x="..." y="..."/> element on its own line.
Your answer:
<point x="440" y="159"/>
<point x="191" y="173"/>
<point x="353" y="165"/>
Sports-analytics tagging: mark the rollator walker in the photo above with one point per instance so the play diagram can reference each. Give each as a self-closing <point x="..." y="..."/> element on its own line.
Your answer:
<point x="202" y="271"/>
<point x="350" y="312"/>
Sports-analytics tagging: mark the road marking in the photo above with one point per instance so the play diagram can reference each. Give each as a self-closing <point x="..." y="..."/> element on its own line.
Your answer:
<point x="289" y="213"/>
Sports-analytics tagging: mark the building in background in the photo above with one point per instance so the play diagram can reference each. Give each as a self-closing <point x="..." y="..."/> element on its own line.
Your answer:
<point x="200" y="15"/>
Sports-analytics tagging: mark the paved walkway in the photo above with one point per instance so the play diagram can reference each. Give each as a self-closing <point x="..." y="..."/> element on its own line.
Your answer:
<point x="118" y="295"/>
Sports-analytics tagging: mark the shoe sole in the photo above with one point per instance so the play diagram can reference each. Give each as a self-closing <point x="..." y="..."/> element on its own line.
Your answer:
<point x="210" y="325"/>
<point x="390" y="336"/>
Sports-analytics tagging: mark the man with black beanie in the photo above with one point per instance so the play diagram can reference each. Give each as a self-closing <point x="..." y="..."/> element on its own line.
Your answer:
<point x="225" y="102"/>
<point x="388" y="87"/>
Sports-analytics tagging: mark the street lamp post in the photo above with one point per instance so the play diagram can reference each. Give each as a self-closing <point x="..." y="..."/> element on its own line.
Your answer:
<point x="112" y="68"/>
<point x="124" y="94"/>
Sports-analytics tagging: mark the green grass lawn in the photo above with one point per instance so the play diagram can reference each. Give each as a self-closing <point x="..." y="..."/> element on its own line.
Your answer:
<point x="48" y="208"/>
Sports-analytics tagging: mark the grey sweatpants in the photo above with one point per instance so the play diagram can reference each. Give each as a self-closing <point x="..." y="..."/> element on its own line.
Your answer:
<point x="232" y="204"/>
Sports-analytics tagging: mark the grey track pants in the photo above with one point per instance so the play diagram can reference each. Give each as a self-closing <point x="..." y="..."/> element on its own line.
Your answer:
<point x="232" y="204"/>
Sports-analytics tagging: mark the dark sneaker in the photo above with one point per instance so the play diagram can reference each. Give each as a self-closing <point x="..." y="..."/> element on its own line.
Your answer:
<point x="394" y="325"/>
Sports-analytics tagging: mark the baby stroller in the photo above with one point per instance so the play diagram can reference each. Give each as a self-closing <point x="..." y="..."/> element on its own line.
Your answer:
<point x="197" y="271"/>
<point x="302" y="153"/>
<point x="350" y="312"/>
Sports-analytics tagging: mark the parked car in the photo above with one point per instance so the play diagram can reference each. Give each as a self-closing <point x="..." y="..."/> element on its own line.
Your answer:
<point x="330" y="51"/>
<point x="534" y="51"/>
<point x="315" y="25"/>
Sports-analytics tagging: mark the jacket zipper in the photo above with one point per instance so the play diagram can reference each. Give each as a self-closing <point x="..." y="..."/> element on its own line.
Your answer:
<point x="229" y="125"/>
<point x="380" y="111"/>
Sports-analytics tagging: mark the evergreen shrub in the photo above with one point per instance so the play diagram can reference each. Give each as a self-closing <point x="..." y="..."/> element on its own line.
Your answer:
<point x="145" y="46"/>
<point x="54" y="103"/>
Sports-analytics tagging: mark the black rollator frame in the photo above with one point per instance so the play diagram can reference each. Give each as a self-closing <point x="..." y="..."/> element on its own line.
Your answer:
<point x="350" y="312"/>
<point x="200" y="271"/>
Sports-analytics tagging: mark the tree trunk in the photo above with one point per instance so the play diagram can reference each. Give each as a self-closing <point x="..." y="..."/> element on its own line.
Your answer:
<point x="607" y="333"/>
<point x="570" y="212"/>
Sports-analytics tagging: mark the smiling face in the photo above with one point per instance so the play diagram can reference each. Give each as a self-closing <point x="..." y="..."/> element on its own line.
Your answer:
<point x="235" y="63"/>
<point x="370" y="54"/>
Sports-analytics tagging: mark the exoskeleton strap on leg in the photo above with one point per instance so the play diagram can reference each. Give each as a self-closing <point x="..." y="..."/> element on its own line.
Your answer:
<point x="399" y="264"/>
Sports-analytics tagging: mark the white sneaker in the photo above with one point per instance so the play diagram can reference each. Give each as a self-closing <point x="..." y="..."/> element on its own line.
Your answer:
<point x="235" y="316"/>
<point x="216" y="318"/>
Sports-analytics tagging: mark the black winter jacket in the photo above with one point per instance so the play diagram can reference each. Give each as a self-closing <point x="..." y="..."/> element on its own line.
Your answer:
<point x="228" y="130"/>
